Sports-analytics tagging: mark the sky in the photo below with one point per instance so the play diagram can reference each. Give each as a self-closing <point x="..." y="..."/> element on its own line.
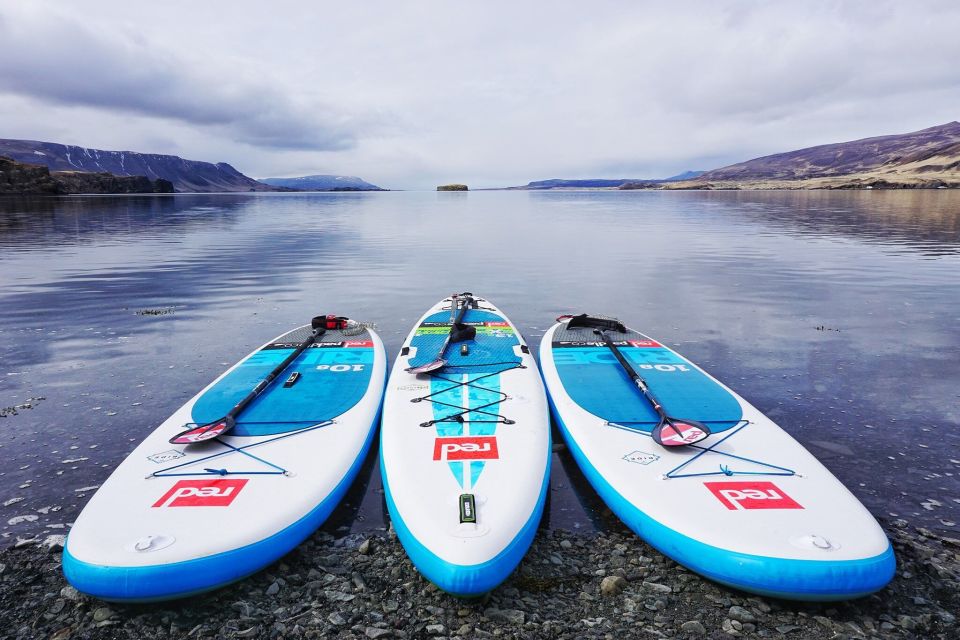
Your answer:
<point x="413" y="94"/>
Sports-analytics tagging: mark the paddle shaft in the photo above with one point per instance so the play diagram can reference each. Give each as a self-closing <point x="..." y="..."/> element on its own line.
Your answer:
<point x="263" y="384"/>
<point x="637" y="380"/>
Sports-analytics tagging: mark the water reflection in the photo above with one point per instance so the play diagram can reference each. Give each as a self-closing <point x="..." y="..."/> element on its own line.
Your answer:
<point x="834" y="312"/>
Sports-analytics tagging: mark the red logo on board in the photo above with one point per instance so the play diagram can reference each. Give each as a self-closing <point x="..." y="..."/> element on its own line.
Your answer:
<point x="653" y="344"/>
<point x="466" y="448"/>
<point x="739" y="496"/>
<point x="201" y="493"/>
<point x="358" y="343"/>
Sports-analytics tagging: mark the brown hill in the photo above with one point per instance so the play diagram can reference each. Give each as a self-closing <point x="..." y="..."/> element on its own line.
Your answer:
<point x="926" y="158"/>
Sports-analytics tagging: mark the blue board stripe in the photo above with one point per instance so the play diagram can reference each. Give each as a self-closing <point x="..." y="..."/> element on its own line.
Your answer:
<point x="817" y="580"/>
<point x="459" y="579"/>
<point x="181" y="579"/>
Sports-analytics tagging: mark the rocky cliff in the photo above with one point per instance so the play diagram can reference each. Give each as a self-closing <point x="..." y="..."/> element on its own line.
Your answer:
<point x="185" y="175"/>
<point x="32" y="179"/>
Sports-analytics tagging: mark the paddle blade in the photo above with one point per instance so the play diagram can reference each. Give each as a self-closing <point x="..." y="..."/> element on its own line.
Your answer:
<point x="204" y="432"/>
<point x="427" y="368"/>
<point x="673" y="432"/>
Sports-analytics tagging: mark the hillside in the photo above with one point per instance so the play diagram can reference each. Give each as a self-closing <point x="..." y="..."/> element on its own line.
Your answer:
<point x="20" y="178"/>
<point x="602" y="183"/>
<point x="926" y="158"/>
<point x="322" y="183"/>
<point x="186" y="175"/>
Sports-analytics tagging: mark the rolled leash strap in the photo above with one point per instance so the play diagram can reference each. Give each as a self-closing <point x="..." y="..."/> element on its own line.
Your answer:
<point x="330" y="322"/>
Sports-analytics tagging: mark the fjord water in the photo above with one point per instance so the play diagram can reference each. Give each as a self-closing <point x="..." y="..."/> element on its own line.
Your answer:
<point x="836" y="313"/>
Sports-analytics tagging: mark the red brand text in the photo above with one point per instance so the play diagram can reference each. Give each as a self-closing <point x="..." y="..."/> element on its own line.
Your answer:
<point x="466" y="448"/>
<point x="201" y="493"/>
<point x="739" y="496"/>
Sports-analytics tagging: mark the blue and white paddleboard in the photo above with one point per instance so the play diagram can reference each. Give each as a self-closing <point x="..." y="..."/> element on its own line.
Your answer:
<point x="465" y="449"/>
<point x="748" y="507"/>
<point x="175" y="520"/>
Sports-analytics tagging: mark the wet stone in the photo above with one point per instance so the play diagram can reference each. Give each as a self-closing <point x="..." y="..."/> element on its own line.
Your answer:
<point x="694" y="627"/>
<point x="70" y="593"/>
<point x="102" y="613"/>
<point x="740" y="614"/>
<point x="510" y="616"/>
<point x="612" y="585"/>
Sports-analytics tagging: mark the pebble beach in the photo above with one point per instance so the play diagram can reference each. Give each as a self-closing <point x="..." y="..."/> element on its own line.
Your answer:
<point x="609" y="585"/>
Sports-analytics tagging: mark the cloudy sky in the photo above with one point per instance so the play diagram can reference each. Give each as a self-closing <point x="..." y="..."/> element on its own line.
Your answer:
<point x="411" y="94"/>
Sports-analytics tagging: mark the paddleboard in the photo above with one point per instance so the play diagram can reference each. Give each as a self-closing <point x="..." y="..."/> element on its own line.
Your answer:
<point x="175" y="520"/>
<point x="465" y="449"/>
<point x="748" y="507"/>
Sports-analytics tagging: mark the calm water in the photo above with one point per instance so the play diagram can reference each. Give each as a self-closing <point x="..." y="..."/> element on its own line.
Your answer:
<point x="838" y="314"/>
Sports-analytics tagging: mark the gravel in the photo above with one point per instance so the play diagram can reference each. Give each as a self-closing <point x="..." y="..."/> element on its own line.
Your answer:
<point x="607" y="586"/>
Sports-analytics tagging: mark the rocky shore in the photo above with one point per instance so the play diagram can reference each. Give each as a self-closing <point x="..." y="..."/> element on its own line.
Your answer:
<point x="568" y="586"/>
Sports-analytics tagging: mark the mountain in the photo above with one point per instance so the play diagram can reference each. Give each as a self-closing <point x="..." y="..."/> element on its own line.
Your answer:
<point x="33" y="179"/>
<point x="926" y="158"/>
<point x="323" y="183"/>
<point x="604" y="183"/>
<point x="186" y="175"/>
<point x="686" y="175"/>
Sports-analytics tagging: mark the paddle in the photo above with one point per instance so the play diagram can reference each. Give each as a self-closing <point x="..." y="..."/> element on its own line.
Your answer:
<point x="684" y="432"/>
<point x="679" y="432"/>
<point x="458" y="333"/>
<point x="210" y="430"/>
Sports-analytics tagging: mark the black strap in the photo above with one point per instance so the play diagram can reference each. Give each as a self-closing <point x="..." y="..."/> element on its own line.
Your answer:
<point x="589" y="322"/>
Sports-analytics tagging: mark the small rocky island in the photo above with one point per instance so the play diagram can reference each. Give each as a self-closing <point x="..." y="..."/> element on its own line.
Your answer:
<point x="453" y="187"/>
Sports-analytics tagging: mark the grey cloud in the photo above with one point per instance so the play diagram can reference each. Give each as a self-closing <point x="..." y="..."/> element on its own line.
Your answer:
<point x="61" y="60"/>
<point x="417" y="93"/>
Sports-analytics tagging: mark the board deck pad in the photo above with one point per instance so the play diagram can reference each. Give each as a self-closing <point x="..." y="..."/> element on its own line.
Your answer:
<point x="604" y="388"/>
<point x="335" y="369"/>
<point x="490" y="350"/>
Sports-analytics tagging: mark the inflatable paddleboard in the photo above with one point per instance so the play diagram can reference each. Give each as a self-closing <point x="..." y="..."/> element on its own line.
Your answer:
<point x="748" y="507"/>
<point x="174" y="520"/>
<point x="465" y="448"/>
